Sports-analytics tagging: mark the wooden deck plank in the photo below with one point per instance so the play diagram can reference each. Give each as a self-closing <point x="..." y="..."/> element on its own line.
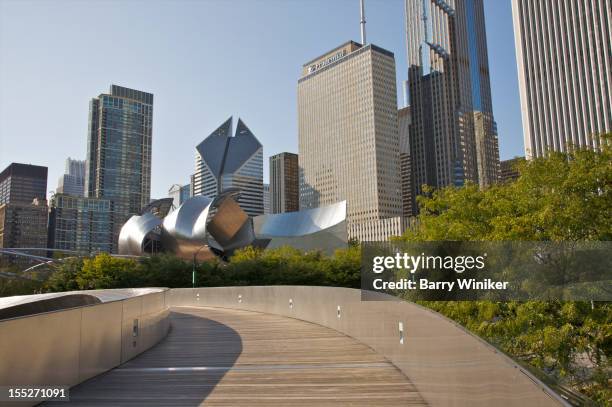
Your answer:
<point x="221" y="357"/>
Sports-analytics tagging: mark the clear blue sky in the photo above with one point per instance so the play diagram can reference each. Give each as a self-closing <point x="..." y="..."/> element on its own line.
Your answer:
<point x="203" y="60"/>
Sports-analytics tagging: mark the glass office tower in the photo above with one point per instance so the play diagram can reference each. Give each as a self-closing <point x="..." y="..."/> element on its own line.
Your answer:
<point x="119" y="152"/>
<point x="453" y="135"/>
<point x="72" y="182"/>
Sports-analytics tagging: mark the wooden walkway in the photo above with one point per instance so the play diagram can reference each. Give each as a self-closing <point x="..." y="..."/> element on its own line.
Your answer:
<point x="221" y="357"/>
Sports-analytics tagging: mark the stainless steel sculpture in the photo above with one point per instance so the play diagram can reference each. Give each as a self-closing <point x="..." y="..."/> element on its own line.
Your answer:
<point x="203" y="228"/>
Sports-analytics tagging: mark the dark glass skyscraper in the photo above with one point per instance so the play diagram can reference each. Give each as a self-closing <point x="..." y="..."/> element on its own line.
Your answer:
<point x="23" y="207"/>
<point x="284" y="183"/>
<point x="22" y="183"/>
<point x="119" y="152"/>
<point x="453" y="136"/>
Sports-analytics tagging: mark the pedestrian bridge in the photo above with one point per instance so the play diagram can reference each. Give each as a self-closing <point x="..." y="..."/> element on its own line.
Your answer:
<point x="253" y="346"/>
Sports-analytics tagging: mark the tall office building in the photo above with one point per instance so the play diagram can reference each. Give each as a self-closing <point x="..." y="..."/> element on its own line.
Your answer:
<point x="563" y="53"/>
<point x="23" y="207"/>
<point x="224" y="162"/>
<point x="408" y="199"/>
<point x="119" y="152"/>
<point x="284" y="183"/>
<point x="80" y="224"/>
<point x="22" y="183"/>
<point x="72" y="182"/>
<point x="348" y="138"/>
<point x="448" y="80"/>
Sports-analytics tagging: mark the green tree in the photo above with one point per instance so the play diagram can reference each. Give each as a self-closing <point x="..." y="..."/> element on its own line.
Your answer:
<point x="563" y="197"/>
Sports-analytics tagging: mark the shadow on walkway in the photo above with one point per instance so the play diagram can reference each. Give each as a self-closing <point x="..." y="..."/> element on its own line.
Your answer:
<point x="182" y="370"/>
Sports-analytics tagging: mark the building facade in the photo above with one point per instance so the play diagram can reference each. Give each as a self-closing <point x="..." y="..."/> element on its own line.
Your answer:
<point x="80" y="224"/>
<point x="266" y="190"/>
<point x="448" y="83"/>
<point x="348" y="138"/>
<point x="24" y="225"/>
<point x="284" y="183"/>
<point x="565" y="72"/>
<point x="179" y="194"/>
<point x="119" y="152"/>
<point x="224" y="162"/>
<point x="22" y="183"/>
<point x="509" y="169"/>
<point x="23" y="206"/>
<point x="408" y="199"/>
<point x="72" y="182"/>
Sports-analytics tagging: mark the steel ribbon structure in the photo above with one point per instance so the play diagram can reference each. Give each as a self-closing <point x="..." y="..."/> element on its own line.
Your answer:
<point x="203" y="228"/>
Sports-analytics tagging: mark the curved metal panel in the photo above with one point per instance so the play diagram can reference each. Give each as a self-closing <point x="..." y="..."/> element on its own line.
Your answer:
<point x="184" y="230"/>
<point x="293" y="224"/>
<point x="321" y="228"/>
<point x="135" y="232"/>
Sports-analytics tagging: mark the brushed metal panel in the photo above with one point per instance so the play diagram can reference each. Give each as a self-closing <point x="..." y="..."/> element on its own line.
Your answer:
<point x="41" y="349"/>
<point x="100" y="348"/>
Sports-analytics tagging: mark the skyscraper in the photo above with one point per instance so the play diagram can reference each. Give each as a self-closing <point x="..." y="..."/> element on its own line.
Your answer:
<point x="224" y="162"/>
<point x="119" y="152"/>
<point x="563" y="53"/>
<point x="23" y="206"/>
<point x="348" y="138"/>
<point x="22" y="183"/>
<point x="72" y="182"/>
<point x="448" y="80"/>
<point x="284" y="183"/>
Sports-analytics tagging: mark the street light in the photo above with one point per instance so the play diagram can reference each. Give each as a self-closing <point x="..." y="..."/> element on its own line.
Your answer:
<point x="193" y="274"/>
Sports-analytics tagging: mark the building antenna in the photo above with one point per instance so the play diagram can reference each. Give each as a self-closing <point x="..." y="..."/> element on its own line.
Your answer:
<point x="362" y="23"/>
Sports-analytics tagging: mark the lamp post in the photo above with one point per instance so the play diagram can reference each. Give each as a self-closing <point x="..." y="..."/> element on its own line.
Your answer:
<point x="193" y="274"/>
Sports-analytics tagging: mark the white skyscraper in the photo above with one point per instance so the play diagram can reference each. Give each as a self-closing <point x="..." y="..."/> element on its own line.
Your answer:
<point x="564" y="60"/>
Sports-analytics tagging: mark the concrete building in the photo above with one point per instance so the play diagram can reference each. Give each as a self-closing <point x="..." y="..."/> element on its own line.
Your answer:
<point x="284" y="183"/>
<point x="22" y="183"/>
<point x="80" y="224"/>
<point x="224" y="162"/>
<point x="565" y="72"/>
<point x="449" y="85"/>
<point x="266" y="190"/>
<point x="119" y="152"/>
<point x="72" y="182"/>
<point x="508" y="169"/>
<point x="348" y="138"/>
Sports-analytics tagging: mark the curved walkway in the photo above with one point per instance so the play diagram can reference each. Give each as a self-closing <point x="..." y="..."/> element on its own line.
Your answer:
<point x="223" y="357"/>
